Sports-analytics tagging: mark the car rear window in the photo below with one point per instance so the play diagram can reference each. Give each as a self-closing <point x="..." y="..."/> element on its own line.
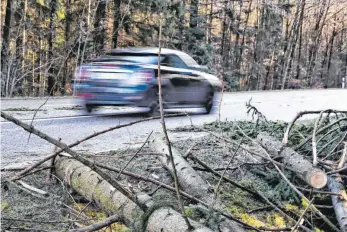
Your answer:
<point x="187" y="59"/>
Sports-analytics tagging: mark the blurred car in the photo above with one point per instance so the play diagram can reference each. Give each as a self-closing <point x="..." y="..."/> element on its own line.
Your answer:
<point x="128" y="76"/>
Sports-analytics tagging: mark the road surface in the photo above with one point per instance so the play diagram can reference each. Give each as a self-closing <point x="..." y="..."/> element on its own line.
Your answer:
<point x="70" y="124"/>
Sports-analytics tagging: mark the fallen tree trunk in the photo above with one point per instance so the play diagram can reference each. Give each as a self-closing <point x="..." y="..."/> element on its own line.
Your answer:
<point x="315" y="177"/>
<point x="108" y="194"/>
<point x="94" y="188"/>
<point x="339" y="202"/>
<point x="189" y="180"/>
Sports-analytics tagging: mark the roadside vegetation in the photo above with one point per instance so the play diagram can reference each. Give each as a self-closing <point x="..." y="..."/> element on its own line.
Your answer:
<point x="251" y="183"/>
<point x="23" y="109"/>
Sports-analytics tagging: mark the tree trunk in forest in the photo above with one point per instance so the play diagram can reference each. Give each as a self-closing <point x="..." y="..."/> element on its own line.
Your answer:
<point x="188" y="178"/>
<point x="239" y="58"/>
<point x="210" y="22"/>
<point x="303" y="3"/>
<point x="181" y="26"/>
<point x="94" y="188"/>
<point x="314" y="177"/>
<point x="51" y="78"/>
<point x="193" y="18"/>
<point x="67" y="34"/>
<point x="334" y="34"/>
<point x="316" y="38"/>
<point x="18" y="15"/>
<point x="6" y="34"/>
<point x="99" y="27"/>
<point x="116" y="22"/>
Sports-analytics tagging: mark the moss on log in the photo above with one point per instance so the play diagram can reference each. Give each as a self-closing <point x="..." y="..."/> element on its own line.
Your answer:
<point x="89" y="184"/>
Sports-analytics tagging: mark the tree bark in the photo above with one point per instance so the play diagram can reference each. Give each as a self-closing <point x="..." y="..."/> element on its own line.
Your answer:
<point x="99" y="27"/>
<point x="335" y="185"/>
<point x="188" y="178"/>
<point x="6" y="34"/>
<point x="94" y="188"/>
<point x="116" y="22"/>
<point x="51" y="79"/>
<point x="315" y="177"/>
<point x="67" y="34"/>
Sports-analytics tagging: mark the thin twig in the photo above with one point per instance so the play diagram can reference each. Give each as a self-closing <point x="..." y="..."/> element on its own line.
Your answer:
<point x="52" y="161"/>
<point x="302" y="215"/>
<point x="32" y="188"/>
<point x="188" y="152"/>
<point x="123" y="156"/>
<point x="224" y="171"/>
<point x="249" y="151"/>
<point x="299" y="115"/>
<point x="320" y="130"/>
<point x="314" y="142"/>
<point x="99" y="225"/>
<point x="343" y="157"/>
<point x="318" y="192"/>
<point x="37" y="170"/>
<point x="162" y="119"/>
<point x="38" y="109"/>
<point x="337" y="171"/>
<point x="131" y="159"/>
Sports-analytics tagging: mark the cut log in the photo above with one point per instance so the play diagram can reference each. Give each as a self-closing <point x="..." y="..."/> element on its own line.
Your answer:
<point x="189" y="180"/>
<point x="313" y="176"/>
<point x="339" y="202"/>
<point x="89" y="184"/>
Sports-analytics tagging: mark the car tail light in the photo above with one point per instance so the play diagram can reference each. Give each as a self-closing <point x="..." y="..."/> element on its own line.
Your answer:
<point x="110" y="65"/>
<point x="144" y="75"/>
<point x="84" y="95"/>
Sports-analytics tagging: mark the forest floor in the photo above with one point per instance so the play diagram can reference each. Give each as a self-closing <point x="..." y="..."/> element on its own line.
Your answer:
<point x="63" y="209"/>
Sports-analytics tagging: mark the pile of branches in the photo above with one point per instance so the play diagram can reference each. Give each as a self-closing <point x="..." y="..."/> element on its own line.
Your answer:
<point x="298" y="163"/>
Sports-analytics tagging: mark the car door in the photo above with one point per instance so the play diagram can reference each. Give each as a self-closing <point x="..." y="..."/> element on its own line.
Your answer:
<point x="179" y="78"/>
<point x="188" y="88"/>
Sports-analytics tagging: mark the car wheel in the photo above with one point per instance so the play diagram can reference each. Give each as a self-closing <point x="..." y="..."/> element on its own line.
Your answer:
<point x="154" y="108"/>
<point x="89" y="108"/>
<point x="209" y="101"/>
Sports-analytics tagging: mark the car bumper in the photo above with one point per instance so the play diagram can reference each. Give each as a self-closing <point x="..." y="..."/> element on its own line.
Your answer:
<point x="111" y="96"/>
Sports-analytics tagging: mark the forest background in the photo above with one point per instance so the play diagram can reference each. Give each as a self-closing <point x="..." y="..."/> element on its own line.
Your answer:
<point x="250" y="44"/>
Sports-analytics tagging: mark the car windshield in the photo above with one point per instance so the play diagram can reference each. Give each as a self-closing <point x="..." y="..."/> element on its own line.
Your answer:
<point x="135" y="58"/>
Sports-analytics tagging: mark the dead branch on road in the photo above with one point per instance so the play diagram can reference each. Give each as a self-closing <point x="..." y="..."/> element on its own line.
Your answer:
<point x="99" y="225"/>
<point x="74" y="154"/>
<point x="38" y="163"/>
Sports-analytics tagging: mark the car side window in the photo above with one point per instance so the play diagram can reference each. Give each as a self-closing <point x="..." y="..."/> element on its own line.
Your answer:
<point x="174" y="61"/>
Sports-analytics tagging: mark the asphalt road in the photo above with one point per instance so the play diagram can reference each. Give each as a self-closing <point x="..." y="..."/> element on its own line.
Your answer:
<point x="71" y="125"/>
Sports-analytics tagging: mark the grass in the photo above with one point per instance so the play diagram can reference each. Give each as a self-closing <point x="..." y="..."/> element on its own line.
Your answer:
<point x="23" y="109"/>
<point x="76" y="107"/>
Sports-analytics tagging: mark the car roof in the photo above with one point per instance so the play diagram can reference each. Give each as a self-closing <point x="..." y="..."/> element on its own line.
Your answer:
<point x="154" y="50"/>
<point x="150" y="50"/>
